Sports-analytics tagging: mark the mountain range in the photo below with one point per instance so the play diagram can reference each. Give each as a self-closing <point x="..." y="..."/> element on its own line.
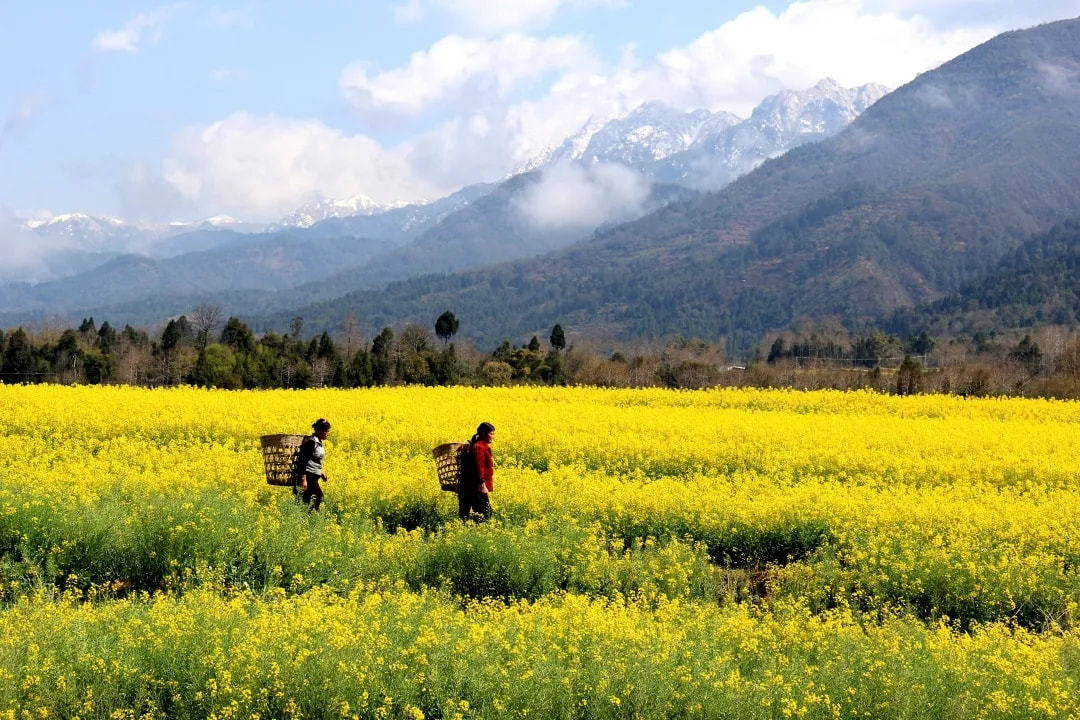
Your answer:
<point x="705" y="150"/>
<point x="615" y="175"/>
<point x="925" y="192"/>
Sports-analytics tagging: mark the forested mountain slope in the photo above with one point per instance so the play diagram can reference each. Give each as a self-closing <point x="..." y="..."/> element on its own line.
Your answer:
<point x="1037" y="284"/>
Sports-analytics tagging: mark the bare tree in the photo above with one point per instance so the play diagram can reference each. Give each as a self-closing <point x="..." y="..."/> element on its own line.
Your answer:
<point x="351" y="335"/>
<point x="134" y="363"/>
<point x="205" y="319"/>
<point x="320" y="368"/>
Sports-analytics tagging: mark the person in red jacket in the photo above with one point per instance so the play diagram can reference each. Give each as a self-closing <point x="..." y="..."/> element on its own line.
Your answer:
<point x="479" y="470"/>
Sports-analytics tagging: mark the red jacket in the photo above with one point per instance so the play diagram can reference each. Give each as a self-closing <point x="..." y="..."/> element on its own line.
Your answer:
<point x="485" y="464"/>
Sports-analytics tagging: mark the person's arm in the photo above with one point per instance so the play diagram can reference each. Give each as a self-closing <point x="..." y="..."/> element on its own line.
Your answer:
<point x="484" y="467"/>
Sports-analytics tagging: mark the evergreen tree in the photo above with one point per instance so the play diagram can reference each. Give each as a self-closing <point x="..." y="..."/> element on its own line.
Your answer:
<point x="237" y="335"/>
<point x="176" y="333"/>
<point x="776" y="351"/>
<point x="139" y="338"/>
<point x="504" y="353"/>
<point x="359" y="370"/>
<point x="534" y="344"/>
<point x="923" y="344"/>
<point x="446" y="326"/>
<point x="909" y="377"/>
<point x="106" y="337"/>
<point x="381" y="365"/>
<point x="326" y="347"/>
<point x="98" y="366"/>
<point x="18" y="365"/>
<point x="558" y="338"/>
<point x="554" y="369"/>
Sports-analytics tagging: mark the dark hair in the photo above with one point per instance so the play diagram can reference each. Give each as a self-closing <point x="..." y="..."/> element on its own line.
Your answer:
<point x="320" y="425"/>
<point x="482" y="430"/>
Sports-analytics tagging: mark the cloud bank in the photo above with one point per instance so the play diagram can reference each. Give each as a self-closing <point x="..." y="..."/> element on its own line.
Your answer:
<point x="259" y="167"/>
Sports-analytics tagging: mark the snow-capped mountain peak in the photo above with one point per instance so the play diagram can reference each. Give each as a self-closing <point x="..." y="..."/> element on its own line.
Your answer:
<point x="324" y="208"/>
<point x="706" y="149"/>
<point x="75" y="220"/>
<point x="648" y="133"/>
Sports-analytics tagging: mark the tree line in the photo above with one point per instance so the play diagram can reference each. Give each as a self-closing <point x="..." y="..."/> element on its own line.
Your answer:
<point x="202" y="348"/>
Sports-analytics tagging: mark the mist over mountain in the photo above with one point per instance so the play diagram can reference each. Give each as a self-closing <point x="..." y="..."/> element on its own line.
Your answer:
<point x="928" y="189"/>
<point x="46" y="248"/>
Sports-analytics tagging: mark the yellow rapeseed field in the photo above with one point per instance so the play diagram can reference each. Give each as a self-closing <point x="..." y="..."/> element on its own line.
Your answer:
<point x="722" y="553"/>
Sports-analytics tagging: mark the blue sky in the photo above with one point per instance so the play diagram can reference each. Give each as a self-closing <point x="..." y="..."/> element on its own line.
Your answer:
<point x="166" y="111"/>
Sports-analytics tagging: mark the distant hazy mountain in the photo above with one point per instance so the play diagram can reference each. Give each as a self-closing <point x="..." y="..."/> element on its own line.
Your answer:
<point x="930" y="188"/>
<point x="206" y="262"/>
<point x="54" y="247"/>
<point x="326" y="208"/>
<point x="398" y="225"/>
<point x="104" y="234"/>
<point x="271" y="263"/>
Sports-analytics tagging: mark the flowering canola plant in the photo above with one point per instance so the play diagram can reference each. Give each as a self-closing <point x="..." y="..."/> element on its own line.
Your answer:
<point x="722" y="553"/>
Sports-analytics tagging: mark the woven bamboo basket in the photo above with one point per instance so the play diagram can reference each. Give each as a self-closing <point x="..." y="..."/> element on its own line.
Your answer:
<point x="279" y="456"/>
<point x="448" y="464"/>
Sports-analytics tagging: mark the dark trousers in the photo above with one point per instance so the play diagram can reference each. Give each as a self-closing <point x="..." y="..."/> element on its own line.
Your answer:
<point x="472" y="502"/>
<point x="313" y="491"/>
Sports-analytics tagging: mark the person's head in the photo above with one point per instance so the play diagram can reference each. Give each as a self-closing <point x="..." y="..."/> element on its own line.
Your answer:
<point x="321" y="428"/>
<point x="484" y="432"/>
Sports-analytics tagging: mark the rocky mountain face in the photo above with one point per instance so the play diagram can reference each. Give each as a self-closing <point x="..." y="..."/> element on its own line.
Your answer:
<point x="782" y="122"/>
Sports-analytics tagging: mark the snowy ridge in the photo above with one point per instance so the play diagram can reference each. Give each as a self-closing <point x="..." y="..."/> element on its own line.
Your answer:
<point x="705" y="149"/>
<point x="325" y="208"/>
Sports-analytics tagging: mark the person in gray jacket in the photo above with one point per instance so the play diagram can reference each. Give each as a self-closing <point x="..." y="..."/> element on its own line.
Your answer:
<point x="309" y="464"/>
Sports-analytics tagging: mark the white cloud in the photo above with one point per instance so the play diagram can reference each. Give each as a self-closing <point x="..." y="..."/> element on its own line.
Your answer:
<point x="569" y="195"/>
<point x="261" y="167"/>
<point x="759" y="52"/>
<point x="486" y="17"/>
<point x="509" y="98"/>
<point x="957" y="13"/>
<point x="127" y="38"/>
<point x="462" y="72"/>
